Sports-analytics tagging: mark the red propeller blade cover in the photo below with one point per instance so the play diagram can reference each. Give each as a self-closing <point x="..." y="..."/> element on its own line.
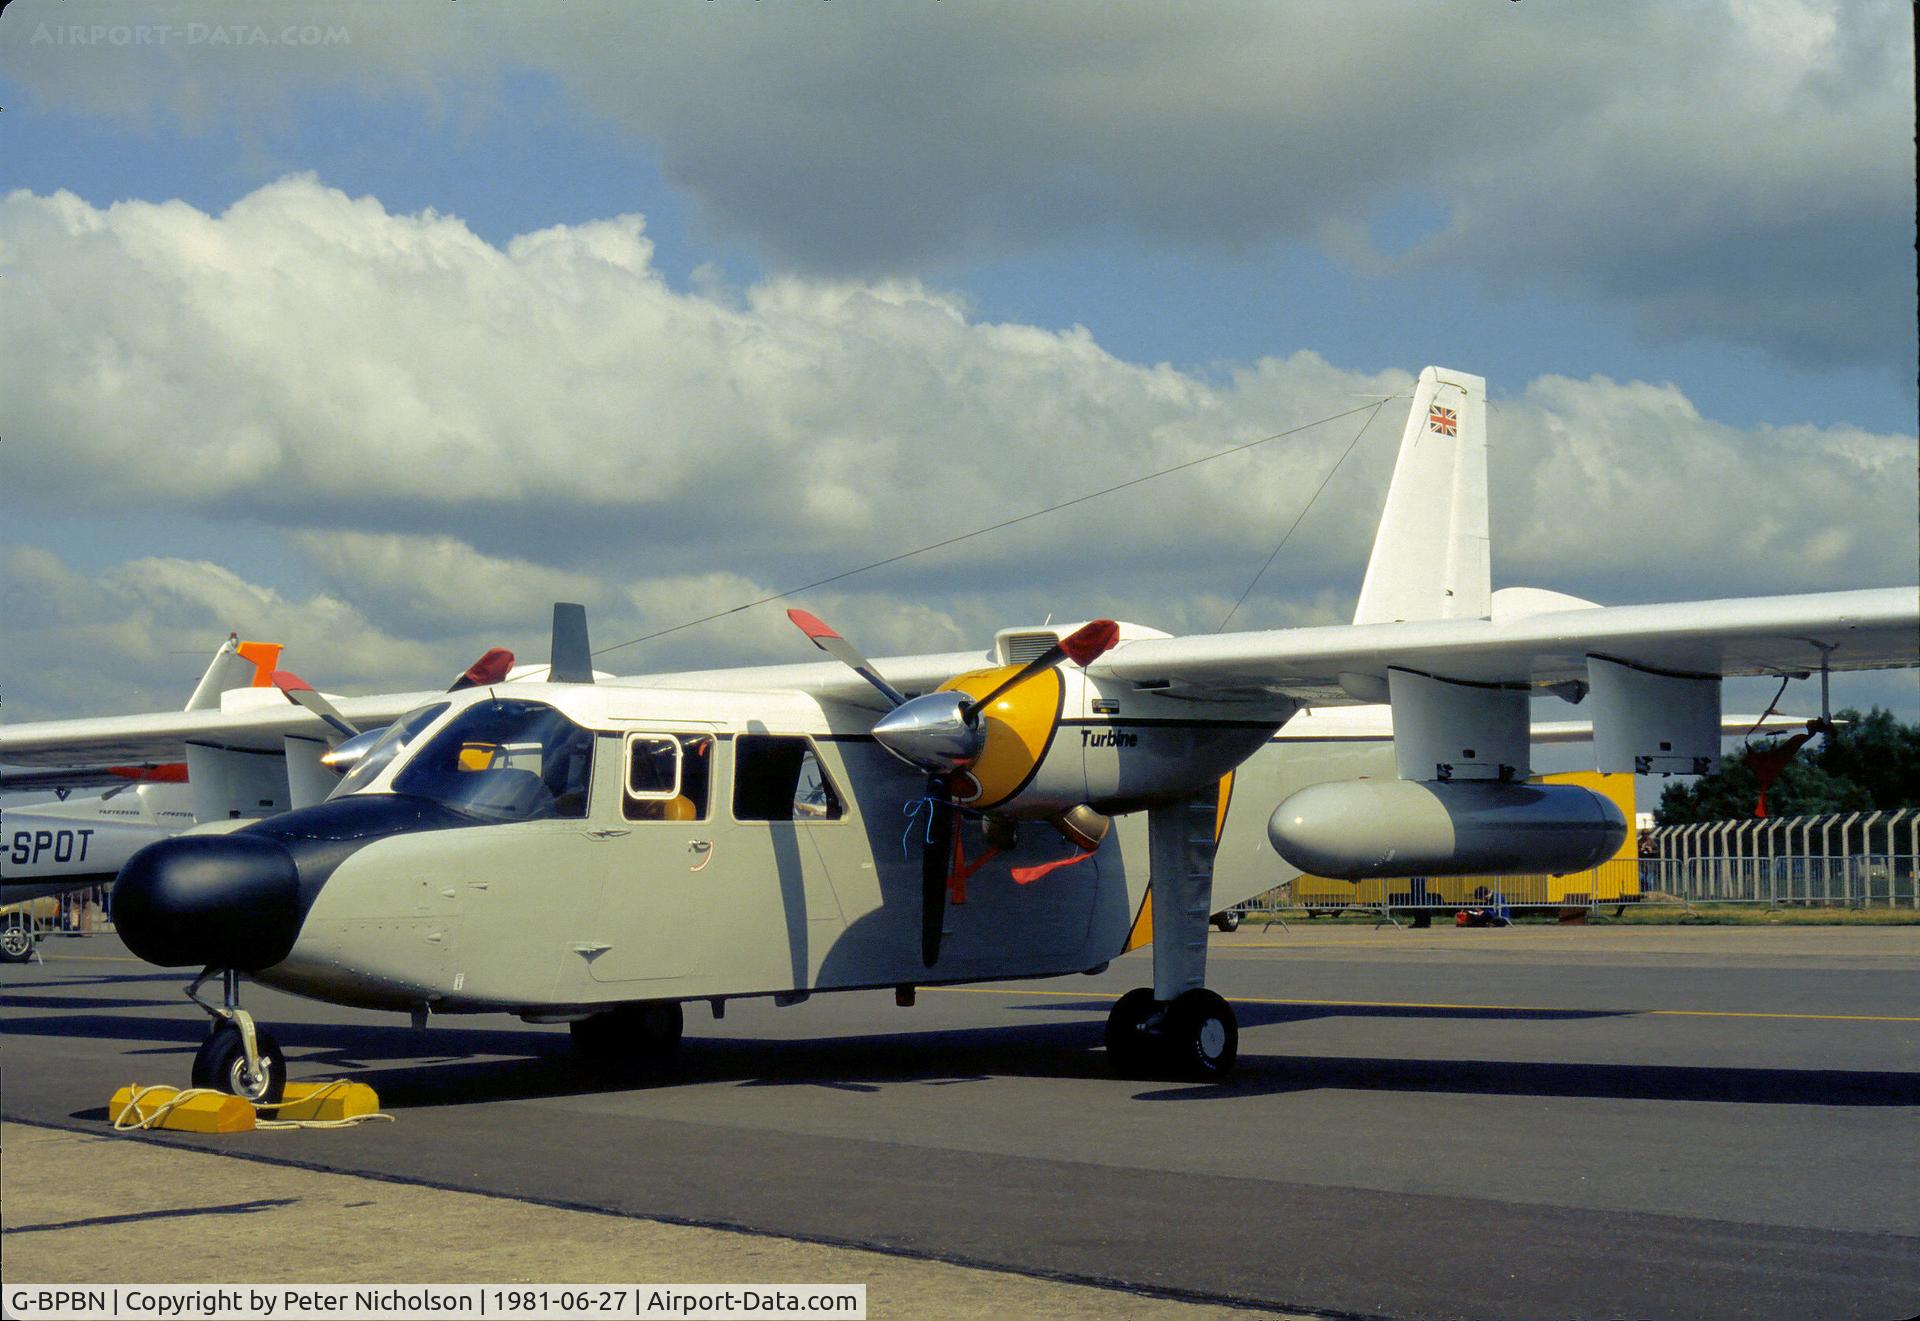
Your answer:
<point x="812" y="625"/>
<point x="1090" y="641"/>
<point x="489" y="669"/>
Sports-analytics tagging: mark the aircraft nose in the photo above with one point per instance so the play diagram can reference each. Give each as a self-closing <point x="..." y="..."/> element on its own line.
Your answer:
<point x="221" y="901"/>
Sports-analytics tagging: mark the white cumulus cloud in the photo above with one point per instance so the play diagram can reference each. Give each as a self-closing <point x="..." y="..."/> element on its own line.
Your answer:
<point x="452" y="434"/>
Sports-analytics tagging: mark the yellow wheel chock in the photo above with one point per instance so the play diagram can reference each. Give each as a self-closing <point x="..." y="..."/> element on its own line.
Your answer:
<point x="337" y="1104"/>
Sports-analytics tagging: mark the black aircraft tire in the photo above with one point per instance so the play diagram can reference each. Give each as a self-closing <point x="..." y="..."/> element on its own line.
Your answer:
<point x="630" y="1036"/>
<point x="1128" y="1049"/>
<point x="16" y="943"/>
<point x="1227" y="921"/>
<point x="1202" y="1036"/>
<point x="221" y="1063"/>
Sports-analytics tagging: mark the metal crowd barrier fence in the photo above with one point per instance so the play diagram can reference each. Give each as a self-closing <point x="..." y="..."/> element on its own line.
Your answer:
<point x="76" y="913"/>
<point x="1856" y="859"/>
<point x="1614" y="882"/>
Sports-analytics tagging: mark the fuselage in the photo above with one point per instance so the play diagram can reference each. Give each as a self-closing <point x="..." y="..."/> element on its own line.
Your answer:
<point x="549" y="848"/>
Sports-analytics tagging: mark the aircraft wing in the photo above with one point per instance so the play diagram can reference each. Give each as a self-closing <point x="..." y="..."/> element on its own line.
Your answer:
<point x="1648" y="675"/>
<point x="827" y="680"/>
<point x="1774" y="635"/>
<point x="163" y="736"/>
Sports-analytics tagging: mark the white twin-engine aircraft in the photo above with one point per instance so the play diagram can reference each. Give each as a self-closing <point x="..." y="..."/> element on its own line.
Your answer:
<point x="574" y="847"/>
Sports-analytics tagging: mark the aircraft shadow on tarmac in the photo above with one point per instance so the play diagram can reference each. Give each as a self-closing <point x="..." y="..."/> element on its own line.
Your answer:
<point x="17" y="1002"/>
<point x="114" y="979"/>
<point x="1261" y="1015"/>
<point x="464" y="1066"/>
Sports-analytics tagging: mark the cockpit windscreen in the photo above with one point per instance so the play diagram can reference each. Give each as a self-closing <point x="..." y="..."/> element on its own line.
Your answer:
<point x="504" y="761"/>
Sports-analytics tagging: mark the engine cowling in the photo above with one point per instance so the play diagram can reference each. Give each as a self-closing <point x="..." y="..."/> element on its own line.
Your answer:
<point x="1358" y="829"/>
<point x="1018" y="729"/>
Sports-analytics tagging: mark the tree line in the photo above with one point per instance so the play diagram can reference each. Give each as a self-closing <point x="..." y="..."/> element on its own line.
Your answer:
<point x="1866" y="762"/>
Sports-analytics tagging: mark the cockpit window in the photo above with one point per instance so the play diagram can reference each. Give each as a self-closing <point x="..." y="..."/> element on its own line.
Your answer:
<point x="388" y="746"/>
<point x="504" y="761"/>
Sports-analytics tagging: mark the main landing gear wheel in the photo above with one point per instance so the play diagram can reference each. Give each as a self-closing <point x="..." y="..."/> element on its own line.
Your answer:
<point x="631" y="1036"/>
<point x="16" y="942"/>
<point x="1128" y="1046"/>
<point x="1195" y="1037"/>
<point x="221" y="1064"/>
<point x="1201" y="1035"/>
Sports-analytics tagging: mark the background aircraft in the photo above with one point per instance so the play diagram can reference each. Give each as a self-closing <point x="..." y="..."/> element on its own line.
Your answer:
<point x="70" y="844"/>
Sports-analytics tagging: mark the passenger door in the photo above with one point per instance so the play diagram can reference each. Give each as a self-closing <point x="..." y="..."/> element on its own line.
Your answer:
<point x="788" y="817"/>
<point x="660" y="864"/>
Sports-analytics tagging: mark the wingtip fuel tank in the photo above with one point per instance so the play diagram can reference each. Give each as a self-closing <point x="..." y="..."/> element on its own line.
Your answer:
<point x="1358" y="829"/>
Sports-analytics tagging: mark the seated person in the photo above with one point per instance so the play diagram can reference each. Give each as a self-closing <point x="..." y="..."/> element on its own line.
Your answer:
<point x="1492" y="911"/>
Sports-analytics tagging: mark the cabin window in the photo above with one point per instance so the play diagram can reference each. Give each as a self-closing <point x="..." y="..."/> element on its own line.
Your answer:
<point x="669" y="777"/>
<point x="504" y="761"/>
<point x="779" y="777"/>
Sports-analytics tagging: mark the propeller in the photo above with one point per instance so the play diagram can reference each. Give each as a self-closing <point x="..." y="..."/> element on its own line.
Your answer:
<point x="936" y="862"/>
<point x="942" y="734"/>
<point x="1082" y="646"/>
<point x="942" y="731"/>
<point x="824" y="637"/>
<point x="301" y="693"/>
<point x="491" y="668"/>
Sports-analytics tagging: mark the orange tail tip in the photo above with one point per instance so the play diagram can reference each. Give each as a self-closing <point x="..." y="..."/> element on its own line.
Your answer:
<point x="264" y="655"/>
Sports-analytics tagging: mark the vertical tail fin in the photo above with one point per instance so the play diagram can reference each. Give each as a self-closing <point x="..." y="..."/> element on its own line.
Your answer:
<point x="1430" y="556"/>
<point x="236" y="665"/>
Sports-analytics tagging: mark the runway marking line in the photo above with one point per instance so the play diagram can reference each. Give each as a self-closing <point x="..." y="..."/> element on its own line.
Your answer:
<point x="1418" y="1004"/>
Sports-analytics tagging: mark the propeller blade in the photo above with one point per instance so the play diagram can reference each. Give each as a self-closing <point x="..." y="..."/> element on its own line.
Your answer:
<point x="571" y="659"/>
<point x="936" y="857"/>
<point x="1082" y="646"/>
<point x="489" y="669"/>
<point x="824" y="637"/>
<point x="300" y="693"/>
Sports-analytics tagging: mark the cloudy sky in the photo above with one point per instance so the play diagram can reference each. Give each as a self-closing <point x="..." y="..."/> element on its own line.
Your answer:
<point x="375" y="328"/>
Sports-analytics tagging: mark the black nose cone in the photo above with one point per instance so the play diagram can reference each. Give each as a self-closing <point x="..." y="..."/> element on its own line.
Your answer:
<point x="221" y="901"/>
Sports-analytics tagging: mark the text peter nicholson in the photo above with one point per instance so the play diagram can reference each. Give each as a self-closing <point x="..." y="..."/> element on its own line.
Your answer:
<point x="454" y="1302"/>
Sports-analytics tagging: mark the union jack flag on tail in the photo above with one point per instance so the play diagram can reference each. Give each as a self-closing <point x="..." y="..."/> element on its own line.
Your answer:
<point x="1443" y="420"/>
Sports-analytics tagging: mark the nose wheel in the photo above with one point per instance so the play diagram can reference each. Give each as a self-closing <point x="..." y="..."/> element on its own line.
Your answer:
<point x="237" y="1057"/>
<point x="221" y="1063"/>
<point x="1195" y="1036"/>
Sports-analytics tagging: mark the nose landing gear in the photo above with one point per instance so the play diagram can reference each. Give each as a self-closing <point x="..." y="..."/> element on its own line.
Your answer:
<point x="237" y="1056"/>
